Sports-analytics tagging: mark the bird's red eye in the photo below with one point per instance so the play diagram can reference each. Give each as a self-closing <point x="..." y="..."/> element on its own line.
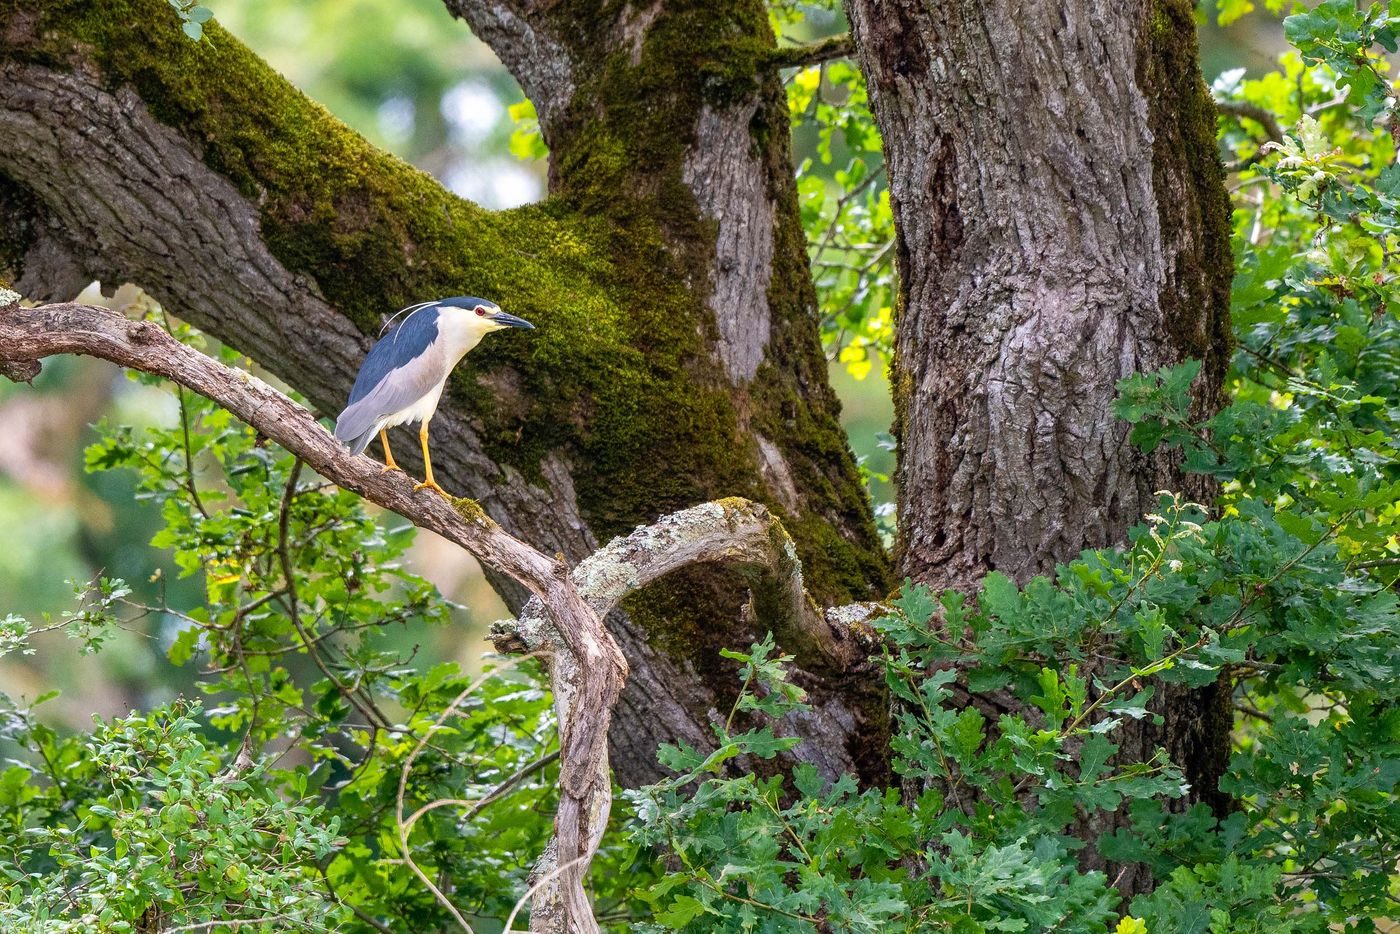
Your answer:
<point x="480" y="311"/>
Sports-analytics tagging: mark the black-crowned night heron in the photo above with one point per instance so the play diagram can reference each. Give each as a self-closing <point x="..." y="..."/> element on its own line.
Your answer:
<point x="404" y="373"/>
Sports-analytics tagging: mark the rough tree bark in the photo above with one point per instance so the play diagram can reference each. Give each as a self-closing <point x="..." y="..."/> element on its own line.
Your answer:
<point x="676" y="361"/>
<point x="1062" y="224"/>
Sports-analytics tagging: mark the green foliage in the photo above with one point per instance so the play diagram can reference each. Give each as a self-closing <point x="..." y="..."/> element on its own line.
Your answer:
<point x="90" y="623"/>
<point x="526" y="141"/>
<point x="1228" y="11"/>
<point x="1342" y="35"/>
<point x="192" y="18"/>
<point x="842" y="190"/>
<point x="991" y="842"/>
<point x="162" y="831"/>
<point x="1314" y="421"/>
<point x="846" y="213"/>
<point x="299" y="640"/>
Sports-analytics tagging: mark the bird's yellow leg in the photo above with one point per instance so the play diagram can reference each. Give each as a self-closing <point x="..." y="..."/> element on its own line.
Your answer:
<point x="428" y="481"/>
<point x="388" y="454"/>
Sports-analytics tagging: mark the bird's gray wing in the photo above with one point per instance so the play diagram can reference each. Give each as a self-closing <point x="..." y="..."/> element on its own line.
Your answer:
<point x="399" y="370"/>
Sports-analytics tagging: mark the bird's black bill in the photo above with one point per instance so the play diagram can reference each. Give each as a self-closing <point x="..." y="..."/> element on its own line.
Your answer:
<point x="501" y="317"/>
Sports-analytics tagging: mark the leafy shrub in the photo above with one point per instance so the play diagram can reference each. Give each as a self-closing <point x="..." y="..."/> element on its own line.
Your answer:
<point x="143" y="824"/>
<point x="989" y="844"/>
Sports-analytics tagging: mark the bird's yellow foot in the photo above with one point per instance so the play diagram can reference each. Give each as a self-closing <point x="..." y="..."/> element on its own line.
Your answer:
<point x="390" y="467"/>
<point x="431" y="485"/>
<point x="389" y="463"/>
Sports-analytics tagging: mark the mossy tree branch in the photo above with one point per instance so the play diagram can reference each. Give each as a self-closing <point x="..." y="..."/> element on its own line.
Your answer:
<point x="676" y="360"/>
<point x="813" y="53"/>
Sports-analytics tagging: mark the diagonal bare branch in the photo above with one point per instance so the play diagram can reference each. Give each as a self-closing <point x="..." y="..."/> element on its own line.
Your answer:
<point x="30" y="334"/>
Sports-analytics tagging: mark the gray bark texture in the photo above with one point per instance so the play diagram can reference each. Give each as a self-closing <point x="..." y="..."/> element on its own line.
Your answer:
<point x="677" y="359"/>
<point x="1062" y="223"/>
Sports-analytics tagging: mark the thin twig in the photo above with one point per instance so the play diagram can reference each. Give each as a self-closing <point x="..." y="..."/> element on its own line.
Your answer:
<point x="475" y="806"/>
<point x="189" y="458"/>
<point x="1378" y="563"/>
<point x="284" y="556"/>
<point x="812" y="53"/>
<point x="404" y="826"/>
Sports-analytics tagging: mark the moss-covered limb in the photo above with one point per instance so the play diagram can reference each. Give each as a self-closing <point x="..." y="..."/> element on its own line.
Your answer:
<point x="620" y="149"/>
<point x="257" y="216"/>
<point x="682" y="87"/>
<point x="373" y="231"/>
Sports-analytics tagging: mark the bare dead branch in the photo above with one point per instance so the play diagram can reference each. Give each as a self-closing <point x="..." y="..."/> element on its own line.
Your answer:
<point x="29" y="334"/>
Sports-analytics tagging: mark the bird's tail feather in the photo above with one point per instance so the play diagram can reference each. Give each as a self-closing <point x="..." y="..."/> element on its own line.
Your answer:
<point x="355" y="442"/>
<point x="358" y="445"/>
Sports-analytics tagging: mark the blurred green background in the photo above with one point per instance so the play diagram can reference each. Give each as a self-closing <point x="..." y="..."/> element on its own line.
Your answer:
<point x="414" y="81"/>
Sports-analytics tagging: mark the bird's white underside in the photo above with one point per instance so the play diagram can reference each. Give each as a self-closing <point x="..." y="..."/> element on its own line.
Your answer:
<point x="418" y="411"/>
<point x="458" y="332"/>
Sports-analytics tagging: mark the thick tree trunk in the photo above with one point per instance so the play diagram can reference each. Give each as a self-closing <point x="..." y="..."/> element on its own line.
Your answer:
<point x="676" y="359"/>
<point x="1062" y="224"/>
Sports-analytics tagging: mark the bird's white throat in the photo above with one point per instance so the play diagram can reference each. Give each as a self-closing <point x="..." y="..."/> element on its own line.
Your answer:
<point x="461" y="330"/>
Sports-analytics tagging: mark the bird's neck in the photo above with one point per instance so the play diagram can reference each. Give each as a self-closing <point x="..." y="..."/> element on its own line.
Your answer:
<point x="460" y="334"/>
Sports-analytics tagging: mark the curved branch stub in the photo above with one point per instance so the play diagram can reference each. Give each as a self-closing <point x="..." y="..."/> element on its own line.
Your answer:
<point x="515" y="31"/>
<point x="731" y="531"/>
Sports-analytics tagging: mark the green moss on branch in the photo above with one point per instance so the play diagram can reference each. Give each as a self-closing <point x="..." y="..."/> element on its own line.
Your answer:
<point x="610" y="371"/>
<point x="620" y="375"/>
<point x="1193" y="206"/>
